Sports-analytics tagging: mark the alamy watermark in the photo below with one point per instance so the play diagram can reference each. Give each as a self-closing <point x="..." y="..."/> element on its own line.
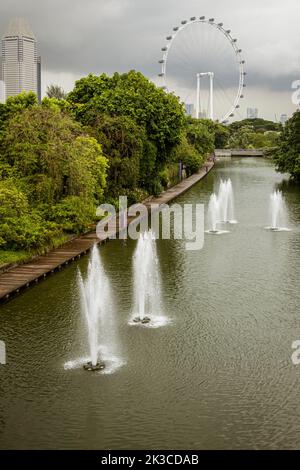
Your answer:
<point x="296" y="354"/>
<point x="187" y="221"/>
<point x="2" y="353"/>
<point x="296" y="94"/>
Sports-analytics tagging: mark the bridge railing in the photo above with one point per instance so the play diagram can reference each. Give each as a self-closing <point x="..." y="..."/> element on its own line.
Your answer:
<point x="239" y="153"/>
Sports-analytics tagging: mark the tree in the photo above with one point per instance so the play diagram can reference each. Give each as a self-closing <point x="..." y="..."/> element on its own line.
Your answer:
<point x="122" y="142"/>
<point x="248" y="138"/>
<point x="56" y="91"/>
<point x="20" y="226"/>
<point x="14" y="105"/>
<point x="52" y="157"/>
<point x="241" y="138"/>
<point x="58" y="170"/>
<point x="132" y="95"/>
<point x="221" y="135"/>
<point x="59" y="104"/>
<point x="258" y="124"/>
<point x="188" y="155"/>
<point x="200" y="134"/>
<point x="287" y="155"/>
<point x="53" y="176"/>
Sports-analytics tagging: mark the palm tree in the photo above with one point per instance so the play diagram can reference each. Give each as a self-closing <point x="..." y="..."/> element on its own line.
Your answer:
<point x="56" y="91"/>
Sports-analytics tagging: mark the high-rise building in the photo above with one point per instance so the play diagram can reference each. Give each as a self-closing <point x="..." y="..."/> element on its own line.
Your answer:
<point x="2" y="86"/>
<point x="252" y="113"/>
<point x="189" y="109"/>
<point x="21" y="69"/>
<point x="39" y="78"/>
<point x="202" y="114"/>
<point x="283" y="119"/>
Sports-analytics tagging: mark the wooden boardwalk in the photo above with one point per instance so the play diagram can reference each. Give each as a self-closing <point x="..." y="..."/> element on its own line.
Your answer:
<point x="20" y="277"/>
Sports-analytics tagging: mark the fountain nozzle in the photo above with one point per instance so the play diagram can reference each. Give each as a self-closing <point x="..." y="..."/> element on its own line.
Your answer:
<point x="94" y="368"/>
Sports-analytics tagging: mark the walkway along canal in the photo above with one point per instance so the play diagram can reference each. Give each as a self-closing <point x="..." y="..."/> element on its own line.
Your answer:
<point x="23" y="276"/>
<point x="217" y="374"/>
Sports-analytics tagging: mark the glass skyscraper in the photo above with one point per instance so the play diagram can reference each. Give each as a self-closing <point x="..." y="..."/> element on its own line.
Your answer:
<point x="21" y="67"/>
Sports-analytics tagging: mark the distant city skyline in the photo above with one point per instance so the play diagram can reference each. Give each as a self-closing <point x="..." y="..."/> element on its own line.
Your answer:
<point x="119" y="35"/>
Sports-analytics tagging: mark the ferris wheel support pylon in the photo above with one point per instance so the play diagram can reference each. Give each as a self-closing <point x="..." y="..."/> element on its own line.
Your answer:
<point x="211" y="94"/>
<point x="198" y="103"/>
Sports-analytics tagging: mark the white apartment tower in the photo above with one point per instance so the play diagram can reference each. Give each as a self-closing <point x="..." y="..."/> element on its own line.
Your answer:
<point x="21" y="67"/>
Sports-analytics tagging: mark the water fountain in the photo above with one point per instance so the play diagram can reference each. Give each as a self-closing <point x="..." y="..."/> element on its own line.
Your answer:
<point x="225" y="197"/>
<point x="213" y="213"/>
<point x="277" y="212"/>
<point x="214" y="216"/>
<point x="147" y="282"/>
<point x="95" y="297"/>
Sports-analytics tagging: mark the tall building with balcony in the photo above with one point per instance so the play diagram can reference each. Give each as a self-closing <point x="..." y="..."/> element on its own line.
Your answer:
<point x="21" y="67"/>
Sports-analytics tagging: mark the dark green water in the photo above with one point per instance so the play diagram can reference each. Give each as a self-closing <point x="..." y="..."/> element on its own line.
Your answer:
<point x="219" y="376"/>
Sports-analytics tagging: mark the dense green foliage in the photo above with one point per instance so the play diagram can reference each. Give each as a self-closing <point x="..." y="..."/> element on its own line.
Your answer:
<point x="199" y="139"/>
<point x="131" y="94"/>
<point x="287" y="155"/>
<point x="257" y="124"/>
<point x="253" y="134"/>
<point x="110" y="136"/>
<point x="52" y="175"/>
<point x="143" y="131"/>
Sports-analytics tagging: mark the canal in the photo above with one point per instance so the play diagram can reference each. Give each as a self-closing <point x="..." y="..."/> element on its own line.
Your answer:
<point x="217" y="375"/>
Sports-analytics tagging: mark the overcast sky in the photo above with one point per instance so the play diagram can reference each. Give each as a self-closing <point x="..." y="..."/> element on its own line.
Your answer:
<point x="76" y="37"/>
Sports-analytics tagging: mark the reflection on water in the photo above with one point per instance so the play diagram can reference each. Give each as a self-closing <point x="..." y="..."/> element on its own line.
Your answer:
<point x="219" y="375"/>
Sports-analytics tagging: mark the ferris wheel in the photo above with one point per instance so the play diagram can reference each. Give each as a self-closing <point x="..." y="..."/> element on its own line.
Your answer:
<point x="203" y="65"/>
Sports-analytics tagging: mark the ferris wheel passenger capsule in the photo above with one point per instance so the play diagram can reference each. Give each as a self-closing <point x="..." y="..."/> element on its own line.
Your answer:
<point x="193" y="18"/>
<point x="231" y="115"/>
<point x="234" y="40"/>
<point x="228" y="31"/>
<point x="169" y="38"/>
<point x="202" y="18"/>
<point x="211" y="20"/>
<point x="184" y="22"/>
<point x="176" y="28"/>
<point x="161" y="61"/>
<point x="220" y="24"/>
<point x="161" y="74"/>
<point x="164" y="49"/>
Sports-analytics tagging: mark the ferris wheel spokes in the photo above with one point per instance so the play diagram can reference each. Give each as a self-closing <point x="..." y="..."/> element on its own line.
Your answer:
<point x="216" y="108"/>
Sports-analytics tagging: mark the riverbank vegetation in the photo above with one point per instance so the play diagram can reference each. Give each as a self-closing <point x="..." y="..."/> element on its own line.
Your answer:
<point x="254" y="134"/>
<point x="110" y="136"/>
<point x="287" y="155"/>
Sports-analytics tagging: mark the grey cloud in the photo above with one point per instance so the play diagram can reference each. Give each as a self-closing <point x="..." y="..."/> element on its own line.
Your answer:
<point x="78" y="37"/>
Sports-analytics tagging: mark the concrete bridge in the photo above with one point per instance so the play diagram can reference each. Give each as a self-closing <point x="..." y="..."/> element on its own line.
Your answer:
<point x="239" y="153"/>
